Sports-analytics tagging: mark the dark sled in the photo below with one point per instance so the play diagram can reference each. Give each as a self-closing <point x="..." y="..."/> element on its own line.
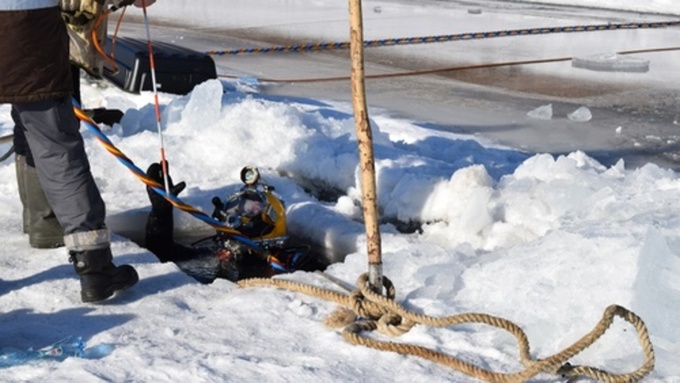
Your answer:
<point x="178" y="69"/>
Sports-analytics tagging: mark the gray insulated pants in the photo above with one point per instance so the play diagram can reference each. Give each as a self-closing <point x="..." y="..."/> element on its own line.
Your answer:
<point x="52" y="132"/>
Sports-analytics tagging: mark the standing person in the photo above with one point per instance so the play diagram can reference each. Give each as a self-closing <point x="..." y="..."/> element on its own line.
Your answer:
<point x="36" y="80"/>
<point x="82" y="17"/>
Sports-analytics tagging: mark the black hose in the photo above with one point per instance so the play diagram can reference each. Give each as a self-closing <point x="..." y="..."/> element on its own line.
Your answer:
<point x="9" y="153"/>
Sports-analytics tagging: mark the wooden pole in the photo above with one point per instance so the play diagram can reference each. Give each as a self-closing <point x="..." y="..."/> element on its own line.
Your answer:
<point x="365" y="142"/>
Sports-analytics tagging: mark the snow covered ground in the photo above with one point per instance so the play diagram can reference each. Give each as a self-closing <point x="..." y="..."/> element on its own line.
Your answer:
<point x="547" y="242"/>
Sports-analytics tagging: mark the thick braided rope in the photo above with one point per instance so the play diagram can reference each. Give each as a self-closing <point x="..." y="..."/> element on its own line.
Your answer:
<point x="310" y="47"/>
<point x="384" y="314"/>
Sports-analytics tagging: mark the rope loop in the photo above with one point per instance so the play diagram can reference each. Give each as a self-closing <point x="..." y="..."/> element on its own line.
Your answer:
<point x="371" y="306"/>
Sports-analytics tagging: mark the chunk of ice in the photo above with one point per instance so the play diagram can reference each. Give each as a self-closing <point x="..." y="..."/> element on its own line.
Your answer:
<point x="581" y="114"/>
<point x="611" y="62"/>
<point x="543" y="112"/>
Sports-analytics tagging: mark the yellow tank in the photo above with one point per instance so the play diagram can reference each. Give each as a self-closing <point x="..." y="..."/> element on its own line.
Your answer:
<point x="275" y="214"/>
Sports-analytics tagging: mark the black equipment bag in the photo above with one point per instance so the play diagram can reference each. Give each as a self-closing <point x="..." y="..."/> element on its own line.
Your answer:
<point x="178" y="69"/>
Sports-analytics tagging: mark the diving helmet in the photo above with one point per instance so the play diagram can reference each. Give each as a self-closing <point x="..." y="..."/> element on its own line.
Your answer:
<point x="255" y="210"/>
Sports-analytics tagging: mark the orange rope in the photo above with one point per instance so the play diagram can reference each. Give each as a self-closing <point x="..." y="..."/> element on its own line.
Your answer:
<point x="109" y="58"/>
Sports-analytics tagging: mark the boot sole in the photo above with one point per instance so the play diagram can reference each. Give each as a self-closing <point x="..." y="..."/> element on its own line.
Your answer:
<point x="38" y="241"/>
<point x="46" y="244"/>
<point x="88" y="297"/>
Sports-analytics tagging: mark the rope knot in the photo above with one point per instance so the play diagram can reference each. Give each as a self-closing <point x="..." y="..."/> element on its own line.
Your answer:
<point x="379" y="308"/>
<point x="369" y="311"/>
<point x="394" y="325"/>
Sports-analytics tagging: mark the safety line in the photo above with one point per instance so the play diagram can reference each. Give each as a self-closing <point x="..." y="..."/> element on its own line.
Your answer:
<point x="452" y="37"/>
<point x="8" y="153"/>
<point x="446" y="69"/>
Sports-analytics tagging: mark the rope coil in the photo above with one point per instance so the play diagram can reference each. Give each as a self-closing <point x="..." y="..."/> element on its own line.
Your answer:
<point x="382" y="313"/>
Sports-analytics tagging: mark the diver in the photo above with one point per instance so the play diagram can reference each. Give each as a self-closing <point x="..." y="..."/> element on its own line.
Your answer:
<point x="255" y="211"/>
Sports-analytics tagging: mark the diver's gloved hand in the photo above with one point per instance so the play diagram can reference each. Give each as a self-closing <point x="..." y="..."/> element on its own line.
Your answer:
<point x="218" y="213"/>
<point x="158" y="202"/>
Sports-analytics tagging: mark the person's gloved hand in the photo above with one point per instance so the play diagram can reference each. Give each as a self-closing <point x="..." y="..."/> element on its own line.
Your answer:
<point x="158" y="202"/>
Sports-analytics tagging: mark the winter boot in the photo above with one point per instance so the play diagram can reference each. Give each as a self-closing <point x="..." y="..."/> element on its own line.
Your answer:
<point x="99" y="277"/>
<point x="44" y="231"/>
<point x="20" y="164"/>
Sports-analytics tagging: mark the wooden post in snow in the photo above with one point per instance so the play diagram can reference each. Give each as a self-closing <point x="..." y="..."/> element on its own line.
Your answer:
<point x="365" y="142"/>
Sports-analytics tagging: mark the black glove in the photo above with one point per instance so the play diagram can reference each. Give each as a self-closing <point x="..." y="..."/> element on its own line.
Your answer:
<point x="218" y="213"/>
<point x="158" y="202"/>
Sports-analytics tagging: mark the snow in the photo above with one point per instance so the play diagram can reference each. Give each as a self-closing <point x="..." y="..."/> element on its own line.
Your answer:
<point x="547" y="242"/>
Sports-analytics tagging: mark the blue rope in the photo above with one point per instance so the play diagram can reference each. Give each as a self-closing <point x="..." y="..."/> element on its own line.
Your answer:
<point x="444" y="38"/>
